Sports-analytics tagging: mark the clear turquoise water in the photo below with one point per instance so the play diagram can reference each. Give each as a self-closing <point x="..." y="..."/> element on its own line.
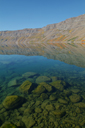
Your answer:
<point x="12" y="66"/>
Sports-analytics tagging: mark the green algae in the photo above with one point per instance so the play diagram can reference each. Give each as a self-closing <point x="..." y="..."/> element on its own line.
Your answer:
<point x="40" y="89"/>
<point x="59" y="84"/>
<point x="26" y="87"/>
<point x="10" y="126"/>
<point x="11" y="102"/>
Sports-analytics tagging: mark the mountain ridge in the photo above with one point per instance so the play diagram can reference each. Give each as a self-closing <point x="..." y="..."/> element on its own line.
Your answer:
<point x="72" y="29"/>
<point x="80" y="16"/>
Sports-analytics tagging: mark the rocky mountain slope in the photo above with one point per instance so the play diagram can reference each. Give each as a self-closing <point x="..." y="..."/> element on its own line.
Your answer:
<point x="64" y="41"/>
<point x="72" y="29"/>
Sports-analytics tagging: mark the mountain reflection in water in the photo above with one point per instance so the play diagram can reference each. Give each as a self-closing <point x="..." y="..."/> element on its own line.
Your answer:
<point x="42" y="86"/>
<point x="71" y="53"/>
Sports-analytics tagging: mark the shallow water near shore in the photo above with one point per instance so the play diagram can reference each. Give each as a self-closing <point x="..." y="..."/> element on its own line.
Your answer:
<point x="56" y="98"/>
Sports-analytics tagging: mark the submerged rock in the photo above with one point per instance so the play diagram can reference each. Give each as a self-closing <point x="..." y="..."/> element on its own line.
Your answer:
<point x="2" y="110"/>
<point x="38" y="110"/>
<point x="75" y="90"/>
<point x="49" y="107"/>
<point x="77" y="126"/>
<point x="26" y="87"/>
<point x="58" y="105"/>
<point x="55" y="78"/>
<point x="58" y="84"/>
<point x="44" y="103"/>
<point x="9" y="125"/>
<point x="78" y="110"/>
<point x="12" y="83"/>
<point x="62" y="101"/>
<point x="80" y="105"/>
<point x="27" y="111"/>
<point x="38" y="102"/>
<point x="1" y="106"/>
<point x="29" y="75"/>
<point x="53" y="97"/>
<point x="13" y="101"/>
<point x="67" y="92"/>
<point x="29" y="121"/>
<point x="43" y="96"/>
<point x="20" y="124"/>
<point x="45" y="112"/>
<point x="75" y="98"/>
<point x="59" y="113"/>
<point x="16" y="81"/>
<point x="40" y="89"/>
<point x="47" y="86"/>
<point x="43" y="79"/>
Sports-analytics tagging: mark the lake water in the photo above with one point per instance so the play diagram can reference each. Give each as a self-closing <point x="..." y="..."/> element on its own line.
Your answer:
<point x="36" y="92"/>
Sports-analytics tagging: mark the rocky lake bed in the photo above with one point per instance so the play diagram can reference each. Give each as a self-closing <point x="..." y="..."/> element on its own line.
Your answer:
<point x="33" y="100"/>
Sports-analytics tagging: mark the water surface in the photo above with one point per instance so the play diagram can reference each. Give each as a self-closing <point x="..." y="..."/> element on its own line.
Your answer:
<point x="61" y="104"/>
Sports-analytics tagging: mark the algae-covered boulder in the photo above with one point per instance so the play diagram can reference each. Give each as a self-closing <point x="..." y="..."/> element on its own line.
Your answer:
<point x="9" y="125"/>
<point x="75" y="90"/>
<point x="29" y="121"/>
<point x="58" y="105"/>
<point x="53" y="97"/>
<point x="3" y="110"/>
<point x="1" y="106"/>
<point x="29" y="75"/>
<point x="67" y="92"/>
<point x="20" y="124"/>
<point x="43" y="96"/>
<point x="49" y="107"/>
<point x="75" y="98"/>
<point x="78" y="110"/>
<point x="44" y="103"/>
<point x="38" y="102"/>
<point x="43" y="79"/>
<point x="80" y="105"/>
<point x="62" y="101"/>
<point x="77" y="126"/>
<point x="47" y="86"/>
<point x="26" y="87"/>
<point x="59" y="113"/>
<point x="39" y="89"/>
<point x="11" y="102"/>
<point x="38" y="110"/>
<point x="58" y="84"/>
